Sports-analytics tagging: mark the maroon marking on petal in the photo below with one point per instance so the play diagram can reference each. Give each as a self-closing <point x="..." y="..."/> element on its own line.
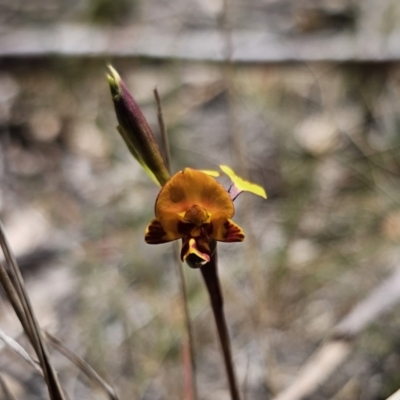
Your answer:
<point x="177" y="195"/>
<point x="185" y="247"/>
<point x="203" y="246"/>
<point x="155" y="233"/>
<point x="233" y="233"/>
<point x="208" y="228"/>
<point x="184" y="228"/>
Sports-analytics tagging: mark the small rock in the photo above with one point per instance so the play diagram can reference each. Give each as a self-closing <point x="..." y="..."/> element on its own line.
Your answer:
<point x="26" y="230"/>
<point x="391" y="225"/>
<point x="86" y="139"/>
<point x="9" y="90"/>
<point x="45" y="126"/>
<point x="330" y="174"/>
<point x="301" y="251"/>
<point x="24" y="162"/>
<point x="212" y="8"/>
<point x="318" y="135"/>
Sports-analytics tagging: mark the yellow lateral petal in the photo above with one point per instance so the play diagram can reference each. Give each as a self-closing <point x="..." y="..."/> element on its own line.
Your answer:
<point x="210" y="172"/>
<point x="242" y="185"/>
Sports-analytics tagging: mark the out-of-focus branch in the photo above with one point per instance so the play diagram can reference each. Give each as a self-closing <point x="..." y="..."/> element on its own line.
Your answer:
<point x="395" y="396"/>
<point x="82" y="365"/>
<point x="207" y="45"/>
<point x="325" y="361"/>
<point x="7" y="392"/>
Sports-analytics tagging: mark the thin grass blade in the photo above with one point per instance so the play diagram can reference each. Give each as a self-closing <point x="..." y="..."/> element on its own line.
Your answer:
<point x="30" y="323"/>
<point x="82" y="365"/>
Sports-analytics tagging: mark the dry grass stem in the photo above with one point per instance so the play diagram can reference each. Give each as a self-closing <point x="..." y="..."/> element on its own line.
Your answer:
<point x="20" y="351"/>
<point x="82" y="365"/>
<point x="317" y="370"/>
<point x="163" y="131"/>
<point x="381" y="299"/>
<point x="14" y="300"/>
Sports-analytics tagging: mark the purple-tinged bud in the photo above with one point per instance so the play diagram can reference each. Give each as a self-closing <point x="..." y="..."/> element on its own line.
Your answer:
<point x="136" y="131"/>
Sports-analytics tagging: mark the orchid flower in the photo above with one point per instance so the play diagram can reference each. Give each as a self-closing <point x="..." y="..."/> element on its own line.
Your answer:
<point x="194" y="207"/>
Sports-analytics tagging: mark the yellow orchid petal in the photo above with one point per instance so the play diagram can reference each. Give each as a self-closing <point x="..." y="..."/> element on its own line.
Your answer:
<point x="214" y="174"/>
<point x="242" y="185"/>
<point x="224" y="229"/>
<point x="191" y="187"/>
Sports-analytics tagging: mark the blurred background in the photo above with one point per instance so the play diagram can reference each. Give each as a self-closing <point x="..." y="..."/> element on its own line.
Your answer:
<point x="300" y="96"/>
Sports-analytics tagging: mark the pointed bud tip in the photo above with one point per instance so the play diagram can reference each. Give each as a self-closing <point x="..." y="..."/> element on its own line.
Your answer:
<point x="114" y="81"/>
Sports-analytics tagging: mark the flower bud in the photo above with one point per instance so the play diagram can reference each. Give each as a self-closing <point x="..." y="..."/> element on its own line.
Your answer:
<point x="136" y="131"/>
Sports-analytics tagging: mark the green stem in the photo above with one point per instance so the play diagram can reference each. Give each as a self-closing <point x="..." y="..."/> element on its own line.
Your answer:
<point x="210" y="276"/>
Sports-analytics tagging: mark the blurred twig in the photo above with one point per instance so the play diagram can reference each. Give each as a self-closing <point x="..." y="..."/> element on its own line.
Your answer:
<point x="163" y="131"/>
<point x="395" y="396"/>
<point x="13" y="299"/>
<point x="150" y="41"/>
<point x="191" y="391"/>
<point x="7" y="392"/>
<point x="19" y="299"/>
<point x="325" y="361"/>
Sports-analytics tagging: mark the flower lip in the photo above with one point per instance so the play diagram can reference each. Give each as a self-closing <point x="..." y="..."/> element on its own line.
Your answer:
<point x="197" y="252"/>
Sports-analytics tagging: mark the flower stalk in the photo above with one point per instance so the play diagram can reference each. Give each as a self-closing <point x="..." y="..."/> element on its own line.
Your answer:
<point x="209" y="272"/>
